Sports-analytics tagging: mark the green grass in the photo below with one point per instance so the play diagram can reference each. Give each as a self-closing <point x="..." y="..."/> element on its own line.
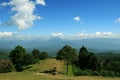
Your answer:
<point x="70" y="70"/>
<point x="26" y="75"/>
<point x="48" y="64"/>
<point x="18" y="76"/>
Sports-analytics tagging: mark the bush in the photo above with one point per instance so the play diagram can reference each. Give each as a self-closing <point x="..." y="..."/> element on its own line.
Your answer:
<point x="35" y="60"/>
<point x="5" y="66"/>
<point x="106" y="73"/>
<point x="117" y="74"/>
<point x="83" y="72"/>
<point x="96" y="73"/>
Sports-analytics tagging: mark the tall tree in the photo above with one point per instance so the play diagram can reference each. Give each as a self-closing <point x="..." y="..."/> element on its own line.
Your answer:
<point x="28" y="59"/>
<point x="43" y="55"/>
<point x="68" y="54"/>
<point x="87" y="60"/>
<point x="83" y="54"/>
<point x="36" y="53"/>
<point x="17" y="57"/>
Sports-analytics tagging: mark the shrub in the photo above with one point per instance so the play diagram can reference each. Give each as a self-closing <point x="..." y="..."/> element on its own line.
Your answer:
<point x="83" y="72"/>
<point x="5" y="66"/>
<point x="106" y="73"/>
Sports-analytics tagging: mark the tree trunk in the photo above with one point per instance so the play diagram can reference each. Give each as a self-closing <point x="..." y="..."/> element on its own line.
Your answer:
<point x="67" y="68"/>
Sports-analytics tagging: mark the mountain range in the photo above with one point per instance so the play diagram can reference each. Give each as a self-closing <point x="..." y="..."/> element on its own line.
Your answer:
<point x="54" y="44"/>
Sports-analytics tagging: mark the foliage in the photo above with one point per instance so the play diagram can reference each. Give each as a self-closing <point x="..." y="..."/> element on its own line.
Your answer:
<point x="4" y="55"/>
<point x="20" y="59"/>
<point x="83" y="73"/>
<point x="104" y="64"/>
<point x="5" y="66"/>
<point x="36" y="53"/>
<point x="67" y="53"/>
<point x="111" y="65"/>
<point x="43" y="55"/>
<point x="28" y="59"/>
<point x="17" y="57"/>
<point x="87" y="60"/>
<point x="39" y="55"/>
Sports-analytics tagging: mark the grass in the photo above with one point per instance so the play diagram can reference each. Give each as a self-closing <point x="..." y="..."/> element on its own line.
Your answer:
<point x="26" y="75"/>
<point x="47" y="65"/>
<point x="70" y="70"/>
<point x="30" y="74"/>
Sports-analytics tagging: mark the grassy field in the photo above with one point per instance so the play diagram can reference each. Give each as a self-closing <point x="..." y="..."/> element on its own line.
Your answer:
<point x="26" y="75"/>
<point x="47" y="65"/>
<point x="34" y="73"/>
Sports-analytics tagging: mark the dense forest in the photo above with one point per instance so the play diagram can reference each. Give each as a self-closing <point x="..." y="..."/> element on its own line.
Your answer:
<point x="83" y="62"/>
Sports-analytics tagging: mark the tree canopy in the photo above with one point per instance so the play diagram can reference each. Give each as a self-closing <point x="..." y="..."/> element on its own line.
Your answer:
<point x="87" y="60"/>
<point x="67" y="53"/>
<point x="17" y="57"/>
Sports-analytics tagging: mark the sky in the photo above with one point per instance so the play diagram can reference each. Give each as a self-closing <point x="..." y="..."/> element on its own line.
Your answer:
<point x="66" y="19"/>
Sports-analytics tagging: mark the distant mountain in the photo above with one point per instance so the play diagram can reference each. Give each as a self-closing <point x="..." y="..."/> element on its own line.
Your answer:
<point x="54" y="44"/>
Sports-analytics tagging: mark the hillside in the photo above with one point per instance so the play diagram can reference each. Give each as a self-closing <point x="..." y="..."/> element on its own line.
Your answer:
<point x="47" y="65"/>
<point x="33" y="73"/>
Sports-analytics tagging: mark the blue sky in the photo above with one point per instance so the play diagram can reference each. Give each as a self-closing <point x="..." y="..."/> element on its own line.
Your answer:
<point x="60" y="18"/>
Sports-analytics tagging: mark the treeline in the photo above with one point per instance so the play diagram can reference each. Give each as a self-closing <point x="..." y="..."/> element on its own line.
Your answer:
<point x="4" y="55"/>
<point x="20" y="60"/>
<point x="110" y="64"/>
<point x="87" y="63"/>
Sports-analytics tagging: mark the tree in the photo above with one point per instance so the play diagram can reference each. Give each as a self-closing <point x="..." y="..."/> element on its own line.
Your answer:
<point x="68" y="54"/>
<point x="43" y="55"/>
<point x="87" y="60"/>
<point x="83" y="54"/>
<point x="17" y="57"/>
<point x="36" y="53"/>
<point x="28" y="59"/>
<point x="93" y="62"/>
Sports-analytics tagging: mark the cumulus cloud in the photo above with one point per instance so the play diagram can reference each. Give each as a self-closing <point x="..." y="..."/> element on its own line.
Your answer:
<point x="59" y="35"/>
<point x="6" y="34"/>
<point x="41" y="2"/>
<point x="96" y="35"/>
<point x="24" y="16"/>
<point x="77" y="18"/>
<point x="117" y="20"/>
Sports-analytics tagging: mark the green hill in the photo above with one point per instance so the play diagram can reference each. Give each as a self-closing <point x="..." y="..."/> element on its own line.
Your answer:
<point x="47" y="65"/>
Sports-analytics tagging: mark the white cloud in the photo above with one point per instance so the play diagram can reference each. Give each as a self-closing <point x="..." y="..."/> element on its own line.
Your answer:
<point x="41" y="2"/>
<point x="6" y="34"/>
<point x="59" y="35"/>
<point x="96" y="35"/>
<point x="24" y="12"/>
<point x="4" y="4"/>
<point x="117" y="20"/>
<point x="77" y="18"/>
<point x="81" y="35"/>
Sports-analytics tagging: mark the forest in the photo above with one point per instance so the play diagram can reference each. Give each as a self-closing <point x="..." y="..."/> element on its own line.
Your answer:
<point x="83" y="62"/>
